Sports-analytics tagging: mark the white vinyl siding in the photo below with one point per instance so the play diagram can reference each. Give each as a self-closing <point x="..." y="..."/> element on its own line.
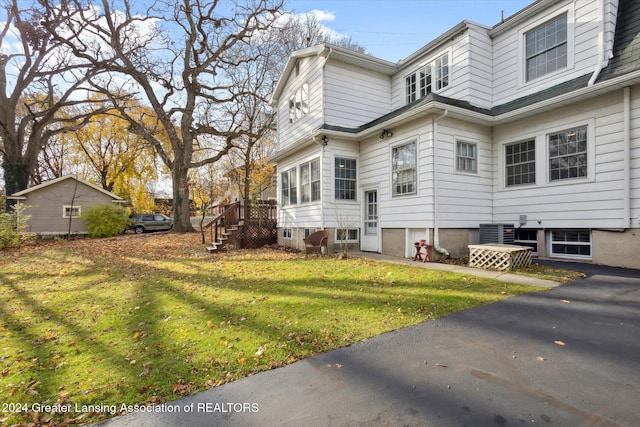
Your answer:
<point x="354" y="96"/>
<point x="593" y="201"/>
<point x="583" y="49"/>
<point x="292" y="123"/>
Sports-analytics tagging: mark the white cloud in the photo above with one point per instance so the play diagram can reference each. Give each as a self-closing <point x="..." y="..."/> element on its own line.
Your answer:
<point x="323" y="15"/>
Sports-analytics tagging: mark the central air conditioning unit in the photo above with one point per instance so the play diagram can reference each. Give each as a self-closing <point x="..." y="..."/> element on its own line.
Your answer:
<point x="497" y="233"/>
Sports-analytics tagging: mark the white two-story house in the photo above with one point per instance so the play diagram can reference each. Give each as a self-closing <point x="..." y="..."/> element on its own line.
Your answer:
<point x="533" y="122"/>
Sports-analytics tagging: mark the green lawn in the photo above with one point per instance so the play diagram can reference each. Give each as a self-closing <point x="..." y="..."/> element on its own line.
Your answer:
<point x="144" y="320"/>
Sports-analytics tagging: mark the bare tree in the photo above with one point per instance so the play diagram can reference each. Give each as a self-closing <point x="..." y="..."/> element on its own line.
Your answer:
<point x="38" y="81"/>
<point x="302" y="31"/>
<point x="177" y="58"/>
<point x="247" y="161"/>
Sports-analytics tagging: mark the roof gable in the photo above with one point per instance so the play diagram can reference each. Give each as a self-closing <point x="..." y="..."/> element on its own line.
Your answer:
<point x="44" y="185"/>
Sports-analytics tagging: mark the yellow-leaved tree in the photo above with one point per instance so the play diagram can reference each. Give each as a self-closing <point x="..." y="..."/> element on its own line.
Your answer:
<point x="107" y="153"/>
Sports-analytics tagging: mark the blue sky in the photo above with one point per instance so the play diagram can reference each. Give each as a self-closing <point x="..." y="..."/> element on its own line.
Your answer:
<point x="394" y="29"/>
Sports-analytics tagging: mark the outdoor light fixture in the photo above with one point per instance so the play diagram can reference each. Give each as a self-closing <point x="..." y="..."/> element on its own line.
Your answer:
<point x="325" y="140"/>
<point x="386" y="133"/>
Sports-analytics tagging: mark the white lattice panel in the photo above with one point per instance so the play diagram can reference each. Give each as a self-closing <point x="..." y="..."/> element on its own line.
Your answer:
<point x="499" y="257"/>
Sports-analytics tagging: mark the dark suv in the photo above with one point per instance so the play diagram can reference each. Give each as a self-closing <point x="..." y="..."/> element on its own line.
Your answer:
<point x="150" y="222"/>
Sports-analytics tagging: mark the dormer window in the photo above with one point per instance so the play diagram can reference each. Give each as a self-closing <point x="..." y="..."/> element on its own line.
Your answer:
<point x="546" y="47"/>
<point x="411" y="88"/>
<point x="430" y="78"/>
<point x="299" y="103"/>
<point x="441" y="66"/>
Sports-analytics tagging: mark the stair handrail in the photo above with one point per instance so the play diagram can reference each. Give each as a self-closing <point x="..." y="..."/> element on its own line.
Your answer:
<point x="227" y="209"/>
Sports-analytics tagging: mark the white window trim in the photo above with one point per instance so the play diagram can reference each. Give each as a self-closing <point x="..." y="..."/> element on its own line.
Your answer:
<point x="417" y="181"/>
<point x="287" y="233"/>
<point x="347" y="240"/>
<point x="569" y="256"/>
<point x="431" y="65"/>
<point x="504" y="163"/>
<point x="540" y="134"/>
<point x="299" y="102"/>
<point x="475" y="172"/>
<point x="591" y="153"/>
<point x="334" y="178"/>
<point x="571" y="23"/>
<point x="73" y="208"/>
<point x="311" y="181"/>
<point x="288" y="172"/>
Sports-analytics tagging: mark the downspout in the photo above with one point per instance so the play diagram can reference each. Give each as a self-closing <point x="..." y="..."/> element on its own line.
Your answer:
<point x="626" y="155"/>
<point x="436" y="232"/>
<point x="603" y="58"/>
<point x="322" y="144"/>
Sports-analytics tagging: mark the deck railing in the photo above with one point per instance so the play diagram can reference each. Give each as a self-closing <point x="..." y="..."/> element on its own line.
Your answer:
<point x="255" y="221"/>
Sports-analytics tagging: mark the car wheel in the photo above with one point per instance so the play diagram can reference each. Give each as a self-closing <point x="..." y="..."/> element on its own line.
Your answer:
<point x="138" y="229"/>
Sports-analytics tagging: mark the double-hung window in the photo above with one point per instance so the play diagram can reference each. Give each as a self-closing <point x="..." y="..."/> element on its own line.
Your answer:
<point x="466" y="157"/>
<point x="288" y="187"/>
<point x="568" y="154"/>
<point x="310" y="181"/>
<point x="403" y="169"/>
<point x="520" y="161"/>
<point x="345" y="179"/>
<point x="546" y="48"/>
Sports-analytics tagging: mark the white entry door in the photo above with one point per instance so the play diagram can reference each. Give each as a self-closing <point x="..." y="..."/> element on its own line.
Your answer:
<point x="369" y="240"/>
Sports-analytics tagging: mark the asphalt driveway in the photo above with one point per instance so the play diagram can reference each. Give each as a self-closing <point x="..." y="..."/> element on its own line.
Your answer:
<point x="568" y="356"/>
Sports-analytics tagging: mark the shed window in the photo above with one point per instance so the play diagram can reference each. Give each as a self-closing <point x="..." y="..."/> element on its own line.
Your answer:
<point x="71" y="211"/>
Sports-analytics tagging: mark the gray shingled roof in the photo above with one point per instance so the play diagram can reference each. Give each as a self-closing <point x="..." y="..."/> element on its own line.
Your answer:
<point x="626" y="50"/>
<point x="626" y="46"/>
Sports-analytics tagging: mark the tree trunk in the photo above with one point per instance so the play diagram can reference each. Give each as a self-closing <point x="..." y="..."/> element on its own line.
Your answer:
<point x="16" y="178"/>
<point x="181" y="212"/>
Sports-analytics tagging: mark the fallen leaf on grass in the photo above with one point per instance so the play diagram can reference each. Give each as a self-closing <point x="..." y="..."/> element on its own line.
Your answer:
<point x="560" y="342"/>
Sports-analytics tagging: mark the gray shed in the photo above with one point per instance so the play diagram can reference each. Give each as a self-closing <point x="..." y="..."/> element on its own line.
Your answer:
<point x="55" y="205"/>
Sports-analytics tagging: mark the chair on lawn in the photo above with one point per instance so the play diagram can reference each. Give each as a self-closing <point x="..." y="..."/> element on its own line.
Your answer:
<point x="316" y="241"/>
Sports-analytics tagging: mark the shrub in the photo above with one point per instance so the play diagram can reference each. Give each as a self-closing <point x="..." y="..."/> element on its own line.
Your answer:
<point x="106" y="220"/>
<point x="12" y="226"/>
